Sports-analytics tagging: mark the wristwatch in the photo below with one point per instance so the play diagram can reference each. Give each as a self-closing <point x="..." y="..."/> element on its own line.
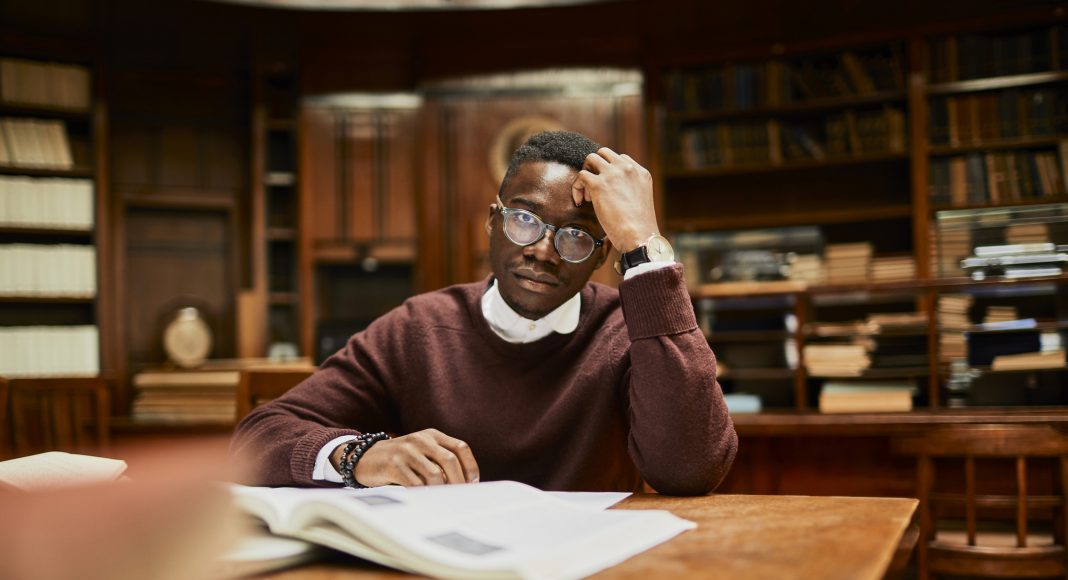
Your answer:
<point x="655" y="249"/>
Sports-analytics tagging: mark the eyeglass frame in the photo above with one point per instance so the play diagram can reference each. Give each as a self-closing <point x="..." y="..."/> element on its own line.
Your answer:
<point x="545" y="226"/>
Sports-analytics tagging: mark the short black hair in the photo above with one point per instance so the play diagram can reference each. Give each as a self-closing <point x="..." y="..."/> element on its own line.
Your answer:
<point x="564" y="147"/>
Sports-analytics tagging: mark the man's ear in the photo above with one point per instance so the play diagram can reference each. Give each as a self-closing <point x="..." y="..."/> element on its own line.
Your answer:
<point x="489" y="219"/>
<point x="605" y="250"/>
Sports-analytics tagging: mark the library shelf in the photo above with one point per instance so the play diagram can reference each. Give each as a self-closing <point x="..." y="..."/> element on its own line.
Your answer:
<point x="43" y="232"/>
<point x="886" y="331"/>
<point x="994" y="83"/>
<point x="25" y="171"/>
<point x="987" y="144"/>
<point x="785" y="423"/>
<point x="748" y="336"/>
<point x="888" y="373"/>
<point x="281" y="234"/>
<point x="795" y="108"/>
<point x="762" y="220"/>
<point x="757" y="373"/>
<point x="785" y="166"/>
<point x="34" y="299"/>
<point x="282" y="298"/>
<point x="20" y="110"/>
<point x="1022" y="202"/>
<point x="1050" y="326"/>
<point x="986" y="370"/>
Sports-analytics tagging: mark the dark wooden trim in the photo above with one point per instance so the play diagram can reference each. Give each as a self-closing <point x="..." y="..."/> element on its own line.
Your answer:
<point x="49" y="111"/>
<point x="986" y="145"/>
<point x="788" y="219"/>
<point x="77" y="171"/>
<point x="774" y="424"/>
<point x="830" y="163"/>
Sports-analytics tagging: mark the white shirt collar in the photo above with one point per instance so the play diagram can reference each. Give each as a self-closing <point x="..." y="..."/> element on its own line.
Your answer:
<point x="512" y="327"/>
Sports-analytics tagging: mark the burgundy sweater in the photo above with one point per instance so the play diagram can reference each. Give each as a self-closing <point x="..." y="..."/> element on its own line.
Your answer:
<point x="631" y="394"/>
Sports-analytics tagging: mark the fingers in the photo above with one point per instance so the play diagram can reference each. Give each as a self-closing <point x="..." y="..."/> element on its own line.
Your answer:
<point x="427" y="457"/>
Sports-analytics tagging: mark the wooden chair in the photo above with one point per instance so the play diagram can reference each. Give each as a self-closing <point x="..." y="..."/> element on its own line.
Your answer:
<point x="258" y="386"/>
<point x="55" y="414"/>
<point x="1008" y="503"/>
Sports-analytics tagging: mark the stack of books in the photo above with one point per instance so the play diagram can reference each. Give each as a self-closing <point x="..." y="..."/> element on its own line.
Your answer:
<point x="866" y="397"/>
<point x="1053" y="359"/>
<point x="807" y="268"/>
<point x="1000" y="314"/>
<point x="205" y="395"/>
<point x="837" y="360"/>
<point x="893" y="268"/>
<point x="953" y="322"/>
<point x="950" y="246"/>
<point x="1027" y="234"/>
<point x="848" y="263"/>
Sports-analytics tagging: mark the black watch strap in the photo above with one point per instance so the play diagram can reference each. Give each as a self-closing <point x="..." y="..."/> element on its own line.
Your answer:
<point x="632" y="258"/>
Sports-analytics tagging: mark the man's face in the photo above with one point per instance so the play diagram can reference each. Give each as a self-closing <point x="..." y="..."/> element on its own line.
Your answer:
<point x="533" y="279"/>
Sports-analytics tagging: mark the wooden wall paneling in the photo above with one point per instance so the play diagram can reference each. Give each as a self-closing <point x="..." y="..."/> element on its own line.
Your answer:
<point x="176" y="258"/>
<point x="431" y="217"/>
<point x="252" y="299"/>
<point x="361" y="171"/>
<point x="107" y="318"/>
<point x="308" y="198"/>
<point x="400" y="134"/>
<point x="319" y="176"/>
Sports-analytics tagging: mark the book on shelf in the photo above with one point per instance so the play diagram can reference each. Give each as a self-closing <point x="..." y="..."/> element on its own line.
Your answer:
<point x="48" y="270"/>
<point x="1054" y="359"/>
<point x="40" y="351"/>
<point x="499" y="529"/>
<point x="866" y="397"/>
<point x="26" y="82"/>
<point x="837" y="360"/>
<point x="36" y="143"/>
<point x="998" y="177"/>
<point x="55" y="203"/>
<point x="979" y="55"/>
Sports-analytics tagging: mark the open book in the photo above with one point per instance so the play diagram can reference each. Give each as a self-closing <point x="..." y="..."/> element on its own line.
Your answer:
<point x="56" y="469"/>
<point x="499" y="529"/>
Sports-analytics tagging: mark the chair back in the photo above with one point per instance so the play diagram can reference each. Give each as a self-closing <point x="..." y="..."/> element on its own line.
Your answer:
<point x="258" y="386"/>
<point x="1022" y="482"/>
<point x="55" y="414"/>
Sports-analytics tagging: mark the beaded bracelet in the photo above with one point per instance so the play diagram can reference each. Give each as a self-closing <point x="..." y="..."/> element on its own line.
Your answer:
<point x="352" y="453"/>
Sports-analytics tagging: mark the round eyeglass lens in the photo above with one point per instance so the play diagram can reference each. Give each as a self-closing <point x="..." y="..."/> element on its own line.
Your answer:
<point x="574" y="245"/>
<point x="523" y="228"/>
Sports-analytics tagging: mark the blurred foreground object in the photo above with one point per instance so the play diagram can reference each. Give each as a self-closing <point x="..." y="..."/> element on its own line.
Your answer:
<point x="171" y="522"/>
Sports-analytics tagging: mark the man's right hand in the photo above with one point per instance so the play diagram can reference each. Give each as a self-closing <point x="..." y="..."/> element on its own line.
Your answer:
<point x="427" y="457"/>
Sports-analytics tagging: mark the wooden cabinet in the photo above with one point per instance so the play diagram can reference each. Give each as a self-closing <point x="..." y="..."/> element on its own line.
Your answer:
<point x="54" y="282"/>
<point x="359" y="183"/>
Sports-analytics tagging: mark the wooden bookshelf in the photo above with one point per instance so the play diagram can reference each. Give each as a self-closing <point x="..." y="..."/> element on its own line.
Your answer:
<point x="54" y="206"/>
<point x="785" y="166"/>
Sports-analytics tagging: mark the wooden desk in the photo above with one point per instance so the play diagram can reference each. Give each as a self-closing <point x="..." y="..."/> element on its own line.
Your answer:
<point x="742" y="536"/>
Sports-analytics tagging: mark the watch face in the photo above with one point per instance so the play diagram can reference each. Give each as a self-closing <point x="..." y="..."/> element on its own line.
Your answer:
<point x="187" y="339"/>
<point x="659" y="250"/>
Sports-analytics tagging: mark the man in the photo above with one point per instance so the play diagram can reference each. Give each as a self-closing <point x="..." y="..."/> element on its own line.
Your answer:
<point x="534" y="374"/>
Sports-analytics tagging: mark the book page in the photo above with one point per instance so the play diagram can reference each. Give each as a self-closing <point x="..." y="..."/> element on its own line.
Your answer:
<point x="57" y="469"/>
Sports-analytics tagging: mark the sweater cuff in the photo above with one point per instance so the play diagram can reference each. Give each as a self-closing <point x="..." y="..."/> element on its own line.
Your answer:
<point x="657" y="303"/>
<point x="302" y="463"/>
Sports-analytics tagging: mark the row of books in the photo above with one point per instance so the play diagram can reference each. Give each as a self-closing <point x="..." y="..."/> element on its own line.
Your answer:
<point x="999" y="177"/>
<point x="48" y="270"/>
<point x="26" y="82"/>
<point x="974" y="56"/>
<point x="772" y="141"/>
<point x="35" y="143"/>
<point x="49" y="351"/>
<point x="743" y="86"/>
<point x="58" y="203"/>
<point x="975" y="119"/>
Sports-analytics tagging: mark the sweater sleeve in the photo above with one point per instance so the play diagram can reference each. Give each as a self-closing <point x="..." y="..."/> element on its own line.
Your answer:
<point x="277" y="443"/>
<point x="681" y="437"/>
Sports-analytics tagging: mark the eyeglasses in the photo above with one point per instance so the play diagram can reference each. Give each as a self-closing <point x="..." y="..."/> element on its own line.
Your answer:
<point x="524" y="228"/>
